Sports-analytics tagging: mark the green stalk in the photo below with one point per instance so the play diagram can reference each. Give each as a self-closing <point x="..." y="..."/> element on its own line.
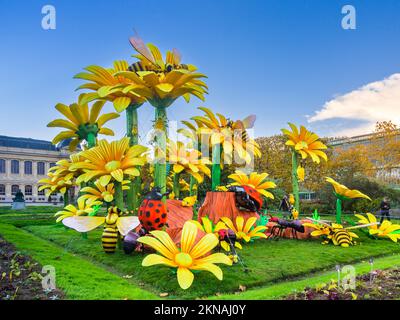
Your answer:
<point x="338" y="211"/>
<point x="91" y="140"/>
<point x="160" y="167"/>
<point x="216" y="167"/>
<point x="295" y="182"/>
<point x="119" y="195"/>
<point x="193" y="182"/>
<point x="132" y="130"/>
<point x="176" y="186"/>
<point x="66" y="198"/>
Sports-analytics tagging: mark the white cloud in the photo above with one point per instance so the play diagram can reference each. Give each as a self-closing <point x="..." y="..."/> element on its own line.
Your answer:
<point x="376" y="101"/>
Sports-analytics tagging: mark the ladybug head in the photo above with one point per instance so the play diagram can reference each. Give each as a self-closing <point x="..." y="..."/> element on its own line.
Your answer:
<point x="155" y="194"/>
<point x="222" y="233"/>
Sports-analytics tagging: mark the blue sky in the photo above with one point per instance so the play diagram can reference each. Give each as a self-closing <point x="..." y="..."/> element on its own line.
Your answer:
<point x="282" y="60"/>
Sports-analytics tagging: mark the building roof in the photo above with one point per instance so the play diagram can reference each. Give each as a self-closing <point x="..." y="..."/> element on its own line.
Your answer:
<point x="27" y="143"/>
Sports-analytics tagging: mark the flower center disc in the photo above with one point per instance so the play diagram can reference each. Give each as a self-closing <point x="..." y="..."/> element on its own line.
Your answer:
<point x="183" y="259"/>
<point x="112" y="165"/>
<point x="301" y="145"/>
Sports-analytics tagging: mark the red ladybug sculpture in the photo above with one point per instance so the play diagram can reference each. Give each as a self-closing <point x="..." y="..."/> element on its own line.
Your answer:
<point x="152" y="211"/>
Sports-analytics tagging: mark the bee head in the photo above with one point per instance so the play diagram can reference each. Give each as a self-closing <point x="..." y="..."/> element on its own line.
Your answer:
<point x="169" y="67"/>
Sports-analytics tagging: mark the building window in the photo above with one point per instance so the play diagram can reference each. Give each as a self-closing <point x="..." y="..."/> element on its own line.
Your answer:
<point x="52" y="164"/>
<point x="40" y="168"/>
<point x="2" y="166"/>
<point x="41" y="192"/>
<point x="2" y="190"/>
<point x="28" y="190"/>
<point x="28" y="167"/>
<point x="14" y="189"/>
<point x="15" y="166"/>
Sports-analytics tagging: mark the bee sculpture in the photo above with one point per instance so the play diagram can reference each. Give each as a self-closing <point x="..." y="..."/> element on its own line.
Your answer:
<point x="151" y="58"/>
<point x="334" y="232"/>
<point x="114" y="226"/>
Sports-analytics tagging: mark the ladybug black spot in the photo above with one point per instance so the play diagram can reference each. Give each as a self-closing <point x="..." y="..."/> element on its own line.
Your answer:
<point x="157" y="220"/>
<point x="157" y="210"/>
<point x="159" y="205"/>
<point x="161" y="225"/>
<point x="148" y="214"/>
<point x="148" y="223"/>
<point x="164" y="215"/>
<point x="151" y="204"/>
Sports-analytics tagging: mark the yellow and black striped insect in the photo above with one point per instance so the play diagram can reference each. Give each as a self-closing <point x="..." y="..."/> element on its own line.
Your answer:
<point x="334" y="232"/>
<point x="150" y="58"/>
<point x="114" y="226"/>
<point x="342" y="237"/>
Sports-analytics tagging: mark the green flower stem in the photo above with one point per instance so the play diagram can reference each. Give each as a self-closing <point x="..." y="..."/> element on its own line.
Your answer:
<point x="66" y="198"/>
<point x="295" y="181"/>
<point x="91" y="140"/>
<point x="160" y="167"/>
<point x="119" y="195"/>
<point x="338" y="210"/>
<point x="216" y="167"/>
<point x="132" y="131"/>
<point x="176" y="186"/>
<point x="193" y="182"/>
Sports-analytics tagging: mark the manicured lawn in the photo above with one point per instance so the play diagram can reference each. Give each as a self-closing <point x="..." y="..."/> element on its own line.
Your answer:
<point x="76" y="277"/>
<point x="30" y="209"/>
<point x="268" y="261"/>
<point x="275" y="267"/>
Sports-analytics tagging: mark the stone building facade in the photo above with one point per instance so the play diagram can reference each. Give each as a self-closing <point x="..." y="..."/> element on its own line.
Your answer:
<point x="24" y="161"/>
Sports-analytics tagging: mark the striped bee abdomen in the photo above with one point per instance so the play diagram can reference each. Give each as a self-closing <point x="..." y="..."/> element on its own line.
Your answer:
<point x="109" y="238"/>
<point x="342" y="238"/>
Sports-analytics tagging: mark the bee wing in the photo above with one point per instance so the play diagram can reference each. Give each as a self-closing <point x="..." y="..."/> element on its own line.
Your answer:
<point x="126" y="224"/>
<point x="248" y="122"/>
<point x="176" y="56"/>
<point x="139" y="45"/>
<point x="83" y="224"/>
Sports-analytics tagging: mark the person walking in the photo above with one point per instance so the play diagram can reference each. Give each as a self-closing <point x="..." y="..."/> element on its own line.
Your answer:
<point x="285" y="205"/>
<point x="385" y="209"/>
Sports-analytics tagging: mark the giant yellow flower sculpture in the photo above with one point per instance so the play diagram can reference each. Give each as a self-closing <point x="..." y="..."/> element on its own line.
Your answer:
<point x="385" y="230"/>
<point x="54" y="184"/>
<point x="245" y="230"/>
<point x="189" y="256"/>
<point x="207" y="225"/>
<point x="84" y="208"/>
<point x="125" y="94"/>
<point x="109" y="161"/>
<point x="121" y="91"/>
<point x="306" y="144"/>
<point x="343" y="193"/>
<point x="82" y="123"/>
<point x="101" y="193"/>
<point x="112" y="161"/>
<point x="184" y="159"/>
<point x="161" y="83"/>
<point x="255" y="180"/>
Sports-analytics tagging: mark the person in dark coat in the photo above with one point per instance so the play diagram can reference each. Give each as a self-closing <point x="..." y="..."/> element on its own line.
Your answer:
<point x="385" y="209"/>
<point x="285" y="205"/>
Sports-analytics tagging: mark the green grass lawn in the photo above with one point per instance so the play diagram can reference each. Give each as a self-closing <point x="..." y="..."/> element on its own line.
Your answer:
<point x="78" y="278"/>
<point x="268" y="261"/>
<point x="275" y="267"/>
<point x="30" y="210"/>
